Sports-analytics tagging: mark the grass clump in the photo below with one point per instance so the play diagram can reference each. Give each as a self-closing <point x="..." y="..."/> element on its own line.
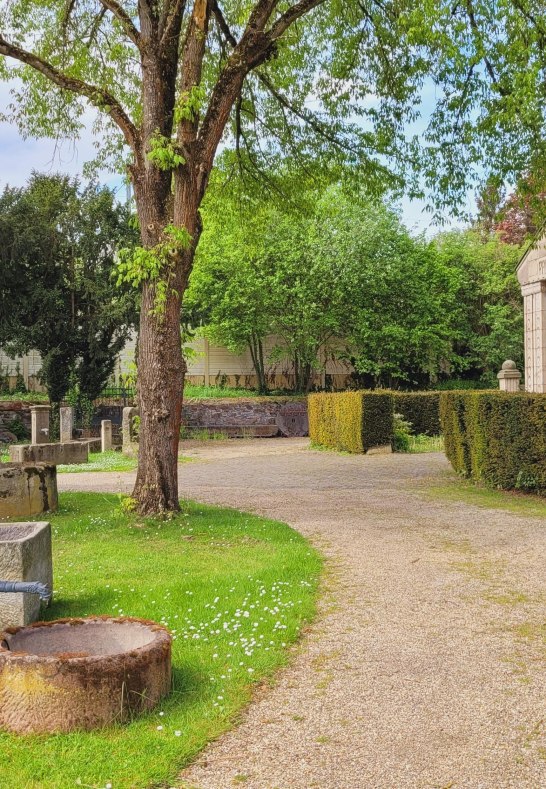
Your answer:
<point x="25" y="397"/>
<point x="203" y="392"/>
<point x="101" y="461"/>
<point x="234" y="589"/>
<point x="459" y="490"/>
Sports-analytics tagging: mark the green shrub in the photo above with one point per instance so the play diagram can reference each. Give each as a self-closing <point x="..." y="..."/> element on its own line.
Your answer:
<point x="496" y="437"/>
<point x="17" y="427"/>
<point x="351" y="421"/>
<point x="459" y="384"/>
<point x="402" y="433"/>
<point x="422" y="409"/>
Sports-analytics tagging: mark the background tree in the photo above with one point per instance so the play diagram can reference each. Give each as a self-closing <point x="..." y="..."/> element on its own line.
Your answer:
<point x="517" y="218"/>
<point x="339" y="274"/>
<point x="488" y="325"/>
<point x="57" y="296"/>
<point x="171" y="75"/>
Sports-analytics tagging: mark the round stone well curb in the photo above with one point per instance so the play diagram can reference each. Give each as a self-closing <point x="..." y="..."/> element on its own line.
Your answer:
<point x="81" y="674"/>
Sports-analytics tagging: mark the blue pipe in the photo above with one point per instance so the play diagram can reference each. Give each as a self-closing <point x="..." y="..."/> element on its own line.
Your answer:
<point x="26" y="587"/>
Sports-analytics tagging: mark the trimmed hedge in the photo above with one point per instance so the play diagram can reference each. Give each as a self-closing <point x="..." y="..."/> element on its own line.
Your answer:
<point x="422" y="409"/>
<point x="498" y="438"/>
<point x="351" y="421"/>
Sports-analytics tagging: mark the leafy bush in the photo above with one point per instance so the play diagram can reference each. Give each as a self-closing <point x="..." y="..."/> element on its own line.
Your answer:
<point x="351" y="421"/>
<point x="17" y="427"/>
<point x="402" y="433"/>
<point x="498" y="438"/>
<point x="422" y="409"/>
<point x="458" y="384"/>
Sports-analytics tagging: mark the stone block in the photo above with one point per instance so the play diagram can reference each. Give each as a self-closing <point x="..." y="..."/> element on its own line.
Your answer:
<point x="106" y="435"/>
<point x="39" y="424"/>
<point x="66" y="425"/>
<point x="27" y="489"/>
<point x="53" y="454"/>
<point x="130" y="444"/>
<point x="25" y="555"/>
<point x="385" y="449"/>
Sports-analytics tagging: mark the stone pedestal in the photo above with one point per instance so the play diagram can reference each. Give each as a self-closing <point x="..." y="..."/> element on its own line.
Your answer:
<point x="27" y="489"/>
<point x="39" y="424"/>
<point x="66" y="423"/>
<point x="509" y="377"/>
<point x="532" y="278"/>
<point x="130" y="444"/>
<point x="106" y="435"/>
<point x="25" y="555"/>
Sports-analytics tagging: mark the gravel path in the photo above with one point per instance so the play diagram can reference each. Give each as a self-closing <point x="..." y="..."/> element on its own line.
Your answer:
<point x="426" y="667"/>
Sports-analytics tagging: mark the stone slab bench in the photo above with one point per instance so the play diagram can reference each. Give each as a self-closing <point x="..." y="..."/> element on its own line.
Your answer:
<point x="53" y="454"/>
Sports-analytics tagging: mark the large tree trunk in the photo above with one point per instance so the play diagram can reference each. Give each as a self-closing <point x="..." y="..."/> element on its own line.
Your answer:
<point x="161" y="371"/>
<point x="161" y="366"/>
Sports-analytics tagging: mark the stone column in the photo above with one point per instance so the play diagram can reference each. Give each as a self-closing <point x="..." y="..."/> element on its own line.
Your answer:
<point x="105" y="435"/>
<point x="532" y="278"/>
<point x="534" y="307"/>
<point x="39" y="424"/>
<point x="66" y="424"/>
<point x="509" y="377"/>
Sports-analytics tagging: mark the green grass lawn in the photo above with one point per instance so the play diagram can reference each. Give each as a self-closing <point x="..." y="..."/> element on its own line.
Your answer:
<point x="202" y="392"/>
<point x="101" y="461"/>
<point x="457" y="489"/>
<point x="421" y="443"/>
<point x="234" y="589"/>
<point x="98" y="461"/>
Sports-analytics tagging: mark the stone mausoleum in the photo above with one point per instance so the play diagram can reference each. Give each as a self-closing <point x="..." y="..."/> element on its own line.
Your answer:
<point x="532" y="278"/>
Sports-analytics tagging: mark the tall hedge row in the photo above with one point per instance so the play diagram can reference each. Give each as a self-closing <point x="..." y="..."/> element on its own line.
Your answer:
<point x="498" y="438"/>
<point x="422" y="409"/>
<point x="351" y="421"/>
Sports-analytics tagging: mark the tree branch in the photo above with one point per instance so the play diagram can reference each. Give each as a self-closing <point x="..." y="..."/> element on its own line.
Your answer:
<point x="171" y="21"/>
<point x="222" y="23"/>
<point x="322" y="130"/>
<point x="254" y="48"/>
<point x="192" y="64"/>
<point x="100" y="98"/>
<point x="261" y="12"/>
<point x="292" y="15"/>
<point x="126" y="22"/>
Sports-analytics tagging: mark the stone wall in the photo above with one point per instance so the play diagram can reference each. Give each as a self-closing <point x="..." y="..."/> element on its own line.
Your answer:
<point x="284" y="415"/>
<point x="14" y="409"/>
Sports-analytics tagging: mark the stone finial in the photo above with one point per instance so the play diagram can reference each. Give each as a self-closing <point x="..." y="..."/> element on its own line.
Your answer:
<point x="509" y="377"/>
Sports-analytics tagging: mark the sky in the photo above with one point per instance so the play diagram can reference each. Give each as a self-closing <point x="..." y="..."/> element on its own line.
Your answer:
<point x="19" y="157"/>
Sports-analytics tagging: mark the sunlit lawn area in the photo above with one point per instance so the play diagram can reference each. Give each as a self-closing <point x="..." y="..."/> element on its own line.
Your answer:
<point x="101" y="461"/>
<point x="234" y="589"/>
<point x="457" y="489"/>
<point x="98" y="461"/>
